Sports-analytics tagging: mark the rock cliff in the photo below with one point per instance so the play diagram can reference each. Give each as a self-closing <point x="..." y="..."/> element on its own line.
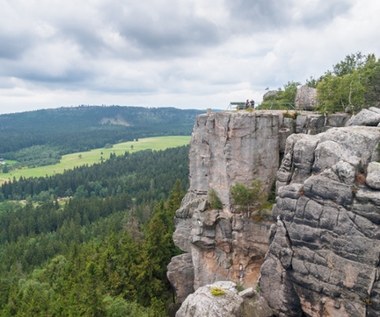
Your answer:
<point x="229" y="148"/>
<point x="226" y="148"/>
<point x="324" y="256"/>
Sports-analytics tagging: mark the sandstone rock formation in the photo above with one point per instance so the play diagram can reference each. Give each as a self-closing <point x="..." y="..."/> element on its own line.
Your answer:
<point x="229" y="148"/>
<point x="324" y="255"/>
<point x="226" y="148"/>
<point x="366" y="117"/>
<point x="229" y="302"/>
<point x="306" y="98"/>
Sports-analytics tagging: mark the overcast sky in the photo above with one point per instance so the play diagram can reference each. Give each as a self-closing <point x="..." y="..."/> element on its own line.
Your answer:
<point x="183" y="53"/>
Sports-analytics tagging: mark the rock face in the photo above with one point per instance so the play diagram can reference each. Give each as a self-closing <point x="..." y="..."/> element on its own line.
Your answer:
<point x="324" y="255"/>
<point x="226" y="148"/>
<point x="203" y="303"/>
<point x="306" y="98"/>
<point x="229" y="148"/>
<point x="228" y="302"/>
<point x="367" y="117"/>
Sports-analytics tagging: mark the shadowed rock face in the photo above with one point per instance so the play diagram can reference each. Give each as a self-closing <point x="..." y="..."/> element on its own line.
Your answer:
<point x="323" y="259"/>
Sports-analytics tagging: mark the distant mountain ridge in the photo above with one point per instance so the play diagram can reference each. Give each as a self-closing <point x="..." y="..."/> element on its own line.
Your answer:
<point x="72" y="129"/>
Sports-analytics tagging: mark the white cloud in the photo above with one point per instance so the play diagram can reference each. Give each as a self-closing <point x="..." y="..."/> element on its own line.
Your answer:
<point x="185" y="53"/>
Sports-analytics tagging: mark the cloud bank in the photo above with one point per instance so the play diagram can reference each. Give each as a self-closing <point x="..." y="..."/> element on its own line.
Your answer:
<point x="183" y="53"/>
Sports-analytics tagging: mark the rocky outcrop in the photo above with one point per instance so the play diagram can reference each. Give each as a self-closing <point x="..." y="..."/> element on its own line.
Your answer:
<point x="306" y="98"/>
<point x="222" y="299"/>
<point x="366" y="117"/>
<point x="324" y="255"/>
<point x="228" y="148"/>
<point x="270" y="95"/>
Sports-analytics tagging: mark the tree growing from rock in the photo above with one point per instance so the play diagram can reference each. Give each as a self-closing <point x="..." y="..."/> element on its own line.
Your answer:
<point x="248" y="199"/>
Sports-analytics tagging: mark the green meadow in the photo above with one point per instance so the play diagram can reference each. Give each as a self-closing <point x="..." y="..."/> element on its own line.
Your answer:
<point x="70" y="161"/>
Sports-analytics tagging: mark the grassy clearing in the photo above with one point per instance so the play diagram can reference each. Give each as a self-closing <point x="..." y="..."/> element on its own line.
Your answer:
<point x="70" y="161"/>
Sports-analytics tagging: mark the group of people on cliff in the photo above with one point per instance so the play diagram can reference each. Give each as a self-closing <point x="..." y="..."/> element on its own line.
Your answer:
<point x="250" y="104"/>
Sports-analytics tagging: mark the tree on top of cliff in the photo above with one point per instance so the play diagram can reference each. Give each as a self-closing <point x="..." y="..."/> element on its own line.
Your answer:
<point x="353" y="84"/>
<point x="282" y="98"/>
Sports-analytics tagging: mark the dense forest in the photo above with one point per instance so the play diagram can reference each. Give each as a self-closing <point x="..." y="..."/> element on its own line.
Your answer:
<point x="94" y="241"/>
<point x="41" y="137"/>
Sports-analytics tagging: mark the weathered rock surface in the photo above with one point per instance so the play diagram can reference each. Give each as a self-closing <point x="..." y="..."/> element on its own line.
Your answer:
<point x="306" y="98"/>
<point x="325" y="252"/>
<point x="229" y="304"/>
<point x="366" y="117"/>
<point x="181" y="275"/>
<point x="226" y="148"/>
<point x="229" y="148"/>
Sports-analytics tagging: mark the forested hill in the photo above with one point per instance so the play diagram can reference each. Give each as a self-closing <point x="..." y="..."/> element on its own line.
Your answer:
<point x="81" y="128"/>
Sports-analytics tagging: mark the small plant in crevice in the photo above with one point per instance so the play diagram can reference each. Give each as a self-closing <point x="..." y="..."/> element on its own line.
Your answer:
<point x="239" y="287"/>
<point x="258" y="289"/>
<point x="217" y="291"/>
<point x="213" y="200"/>
<point x="367" y="301"/>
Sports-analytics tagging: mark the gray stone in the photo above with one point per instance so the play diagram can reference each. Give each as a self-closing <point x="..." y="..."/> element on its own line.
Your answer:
<point x="180" y="273"/>
<point x="247" y="293"/>
<point x="239" y="147"/>
<point x="324" y="255"/>
<point x="374" y="109"/>
<point x="203" y="303"/>
<point x="373" y="175"/>
<point x="345" y="172"/>
<point x="322" y="188"/>
<point x="306" y="98"/>
<point x="337" y="120"/>
<point x="366" y="117"/>
<point x="270" y="95"/>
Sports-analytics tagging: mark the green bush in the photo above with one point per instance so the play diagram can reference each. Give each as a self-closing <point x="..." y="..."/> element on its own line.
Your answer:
<point x="213" y="200"/>
<point x="248" y="199"/>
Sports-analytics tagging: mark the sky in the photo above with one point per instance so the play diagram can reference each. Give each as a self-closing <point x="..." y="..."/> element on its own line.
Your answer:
<point x="182" y="53"/>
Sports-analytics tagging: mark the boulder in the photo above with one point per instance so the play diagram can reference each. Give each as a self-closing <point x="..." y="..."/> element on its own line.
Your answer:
<point x="366" y="117"/>
<point x="180" y="273"/>
<point x="373" y="175"/>
<point x="306" y="98"/>
<point x="222" y="299"/>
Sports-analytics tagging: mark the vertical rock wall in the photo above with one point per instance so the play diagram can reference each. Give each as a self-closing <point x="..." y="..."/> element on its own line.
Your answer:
<point x="229" y="148"/>
<point x="324" y="257"/>
<point x="226" y="148"/>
